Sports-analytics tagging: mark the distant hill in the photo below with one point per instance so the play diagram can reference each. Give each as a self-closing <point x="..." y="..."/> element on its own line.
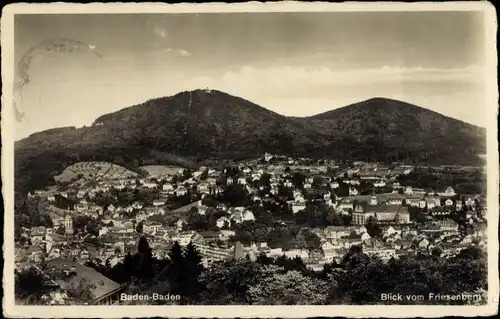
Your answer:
<point x="381" y="128"/>
<point x="192" y="126"/>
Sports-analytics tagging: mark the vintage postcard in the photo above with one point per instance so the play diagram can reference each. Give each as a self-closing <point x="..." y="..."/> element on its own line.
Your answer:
<point x="281" y="159"/>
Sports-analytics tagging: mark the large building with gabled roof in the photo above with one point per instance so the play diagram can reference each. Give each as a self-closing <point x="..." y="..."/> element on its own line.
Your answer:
<point x="382" y="212"/>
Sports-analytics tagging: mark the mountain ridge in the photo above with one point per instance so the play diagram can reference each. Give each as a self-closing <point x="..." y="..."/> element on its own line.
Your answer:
<point x="318" y="115"/>
<point x="203" y="124"/>
<point x="379" y="100"/>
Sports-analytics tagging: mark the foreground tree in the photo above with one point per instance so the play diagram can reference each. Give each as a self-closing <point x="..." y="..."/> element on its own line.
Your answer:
<point x="145" y="260"/>
<point x="191" y="270"/>
<point x="140" y="227"/>
<point x="290" y="288"/>
<point x="181" y="275"/>
<point x="373" y="228"/>
<point x="29" y="287"/>
<point x="79" y="292"/>
<point x="227" y="282"/>
<point x="34" y="287"/>
<point x="362" y="279"/>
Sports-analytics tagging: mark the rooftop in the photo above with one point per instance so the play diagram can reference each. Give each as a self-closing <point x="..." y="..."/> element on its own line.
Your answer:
<point x="102" y="284"/>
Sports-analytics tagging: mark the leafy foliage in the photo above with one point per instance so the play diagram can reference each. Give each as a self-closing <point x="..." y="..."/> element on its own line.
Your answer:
<point x="373" y="228"/>
<point x="30" y="286"/>
<point x="357" y="279"/>
<point x="464" y="180"/>
<point x="33" y="286"/>
<point x="276" y="288"/>
<point x="228" y="282"/>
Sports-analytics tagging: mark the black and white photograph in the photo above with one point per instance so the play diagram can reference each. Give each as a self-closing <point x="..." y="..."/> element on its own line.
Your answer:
<point x="280" y="154"/>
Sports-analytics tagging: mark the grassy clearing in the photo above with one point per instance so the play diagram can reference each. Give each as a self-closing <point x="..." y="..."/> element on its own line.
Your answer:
<point x="88" y="170"/>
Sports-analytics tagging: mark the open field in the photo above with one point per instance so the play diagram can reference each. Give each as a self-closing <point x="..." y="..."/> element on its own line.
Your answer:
<point x="158" y="170"/>
<point x="94" y="170"/>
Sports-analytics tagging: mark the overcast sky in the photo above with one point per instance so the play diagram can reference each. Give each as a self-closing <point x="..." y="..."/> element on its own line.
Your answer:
<point x="296" y="64"/>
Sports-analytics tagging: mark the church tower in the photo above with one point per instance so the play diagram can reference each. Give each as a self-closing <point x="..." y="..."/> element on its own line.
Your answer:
<point x="68" y="225"/>
<point x="373" y="199"/>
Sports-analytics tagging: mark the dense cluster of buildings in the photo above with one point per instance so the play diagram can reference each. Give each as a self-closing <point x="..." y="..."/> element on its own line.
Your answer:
<point x="344" y="189"/>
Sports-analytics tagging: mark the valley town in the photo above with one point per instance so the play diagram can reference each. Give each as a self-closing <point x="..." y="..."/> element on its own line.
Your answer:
<point x="98" y="214"/>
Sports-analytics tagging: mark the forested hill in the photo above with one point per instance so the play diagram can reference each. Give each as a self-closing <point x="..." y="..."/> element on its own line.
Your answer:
<point x="196" y="125"/>
<point x="381" y="128"/>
